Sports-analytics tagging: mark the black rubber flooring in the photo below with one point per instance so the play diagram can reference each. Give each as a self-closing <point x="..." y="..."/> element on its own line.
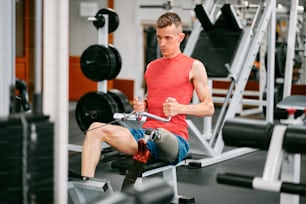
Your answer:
<point x="198" y="183"/>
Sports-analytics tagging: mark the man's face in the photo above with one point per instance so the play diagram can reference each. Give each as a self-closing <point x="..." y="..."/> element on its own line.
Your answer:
<point x="169" y="39"/>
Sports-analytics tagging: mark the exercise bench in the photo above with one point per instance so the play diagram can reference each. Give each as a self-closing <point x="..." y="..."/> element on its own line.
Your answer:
<point x="284" y="142"/>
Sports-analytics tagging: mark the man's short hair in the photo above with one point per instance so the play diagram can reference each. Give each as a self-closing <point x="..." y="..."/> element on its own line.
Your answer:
<point x="168" y="19"/>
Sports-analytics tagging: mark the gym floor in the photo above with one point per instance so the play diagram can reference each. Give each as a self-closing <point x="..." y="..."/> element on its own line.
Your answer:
<point x="197" y="183"/>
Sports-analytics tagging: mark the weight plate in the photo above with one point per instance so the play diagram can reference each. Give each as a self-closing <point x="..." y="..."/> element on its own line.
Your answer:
<point x="114" y="65"/>
<point x="112" y="103"/>
<point x="113" y="18"/>
<point x="116" y="70"/>
<point x="121" y="99"/>
<point x="100" y="22"/>
<point x="94" y="107"/>
<point x="97" y="62"/>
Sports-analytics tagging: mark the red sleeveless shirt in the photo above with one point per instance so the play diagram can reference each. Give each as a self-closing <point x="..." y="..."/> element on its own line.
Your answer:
<point x="169" y="78"/>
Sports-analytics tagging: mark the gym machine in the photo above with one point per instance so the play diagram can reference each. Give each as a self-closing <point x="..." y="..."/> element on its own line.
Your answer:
<point x="234" y="65"/>
<point x="143" y="165"/>
<point x="285" y="142"/>
<point x="94" y="189"/>
<point x="244" y="43"/>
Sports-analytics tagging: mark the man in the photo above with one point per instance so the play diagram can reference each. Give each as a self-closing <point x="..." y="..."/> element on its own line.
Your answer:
<point x="170" y="82"/>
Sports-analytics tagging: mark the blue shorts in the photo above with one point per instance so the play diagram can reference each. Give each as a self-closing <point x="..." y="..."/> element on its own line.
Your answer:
<point x="183" y="145"/>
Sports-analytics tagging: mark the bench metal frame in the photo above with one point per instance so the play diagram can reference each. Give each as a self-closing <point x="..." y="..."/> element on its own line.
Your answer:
<point x="169" y="175"/>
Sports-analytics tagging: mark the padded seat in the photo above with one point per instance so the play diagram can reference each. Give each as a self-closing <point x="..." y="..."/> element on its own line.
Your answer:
<point x="123" y="164"/>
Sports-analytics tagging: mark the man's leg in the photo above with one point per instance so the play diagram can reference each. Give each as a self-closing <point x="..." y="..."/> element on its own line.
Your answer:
<point x="170" y="147"/>
<point x="167" y="145"/>
<point x="117" y="137"/>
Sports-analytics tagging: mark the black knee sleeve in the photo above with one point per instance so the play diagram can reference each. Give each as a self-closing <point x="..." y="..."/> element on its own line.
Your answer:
<point x="167" y="145"/>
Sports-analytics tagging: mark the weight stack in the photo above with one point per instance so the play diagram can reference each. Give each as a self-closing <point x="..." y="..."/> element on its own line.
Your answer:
<point x="27" y="160"/>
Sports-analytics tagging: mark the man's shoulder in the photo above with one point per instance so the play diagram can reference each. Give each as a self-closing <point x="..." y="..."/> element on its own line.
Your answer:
<point x="186" y="57"/>
<point x="158" y="60"/>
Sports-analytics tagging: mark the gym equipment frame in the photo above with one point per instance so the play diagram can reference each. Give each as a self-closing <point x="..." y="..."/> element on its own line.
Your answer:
<point x="285" y="144"/>
<point x="239" y="71"/>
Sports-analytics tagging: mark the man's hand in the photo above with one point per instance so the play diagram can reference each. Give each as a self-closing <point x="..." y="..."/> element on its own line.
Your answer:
<point x="171" y="107"/>
<point x="139" y="105"/>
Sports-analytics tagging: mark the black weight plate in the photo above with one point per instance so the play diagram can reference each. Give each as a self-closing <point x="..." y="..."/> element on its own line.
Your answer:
<point x="113" y="18"/>
<point x="96" y="62"/>
<point x="100" y="22"/>
<point x="94" y="107"/>
<point x="121" y="99"/>
<point x="114" y="73"/>
<point x="113" y="103"/>
<point x="114" y="64"/>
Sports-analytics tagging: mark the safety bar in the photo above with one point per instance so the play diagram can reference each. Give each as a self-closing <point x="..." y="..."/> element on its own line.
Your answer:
<point x="257" y="134"/>
<point x="261" y="184"/>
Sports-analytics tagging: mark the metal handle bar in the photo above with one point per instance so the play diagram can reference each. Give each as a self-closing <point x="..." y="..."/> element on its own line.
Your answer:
<point x="139" y="116"/>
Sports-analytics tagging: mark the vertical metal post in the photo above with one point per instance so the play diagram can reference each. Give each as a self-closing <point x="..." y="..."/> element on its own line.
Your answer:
<point x="290" y="47"/>
<point x="271" y="64"/>
<point x="55" y="84"/>
<point x="275" y="154"/>
<point x="193" y="38"/>
<point x="292" y="163"/>
<point x="262" y="70"/>
<point x="207" y="122"/>
<point x="290" y="171"/>
<point x="37" y="96"/>
<point x="291" y="166"/>
<point x="7" y="54"/>
<point x="103" y="40"/>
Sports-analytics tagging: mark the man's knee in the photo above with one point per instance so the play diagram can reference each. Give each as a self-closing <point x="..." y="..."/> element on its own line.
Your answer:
<point x="95" y="131"/>
<point x="167" y="145"/>
<point x="106" y="132"/>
